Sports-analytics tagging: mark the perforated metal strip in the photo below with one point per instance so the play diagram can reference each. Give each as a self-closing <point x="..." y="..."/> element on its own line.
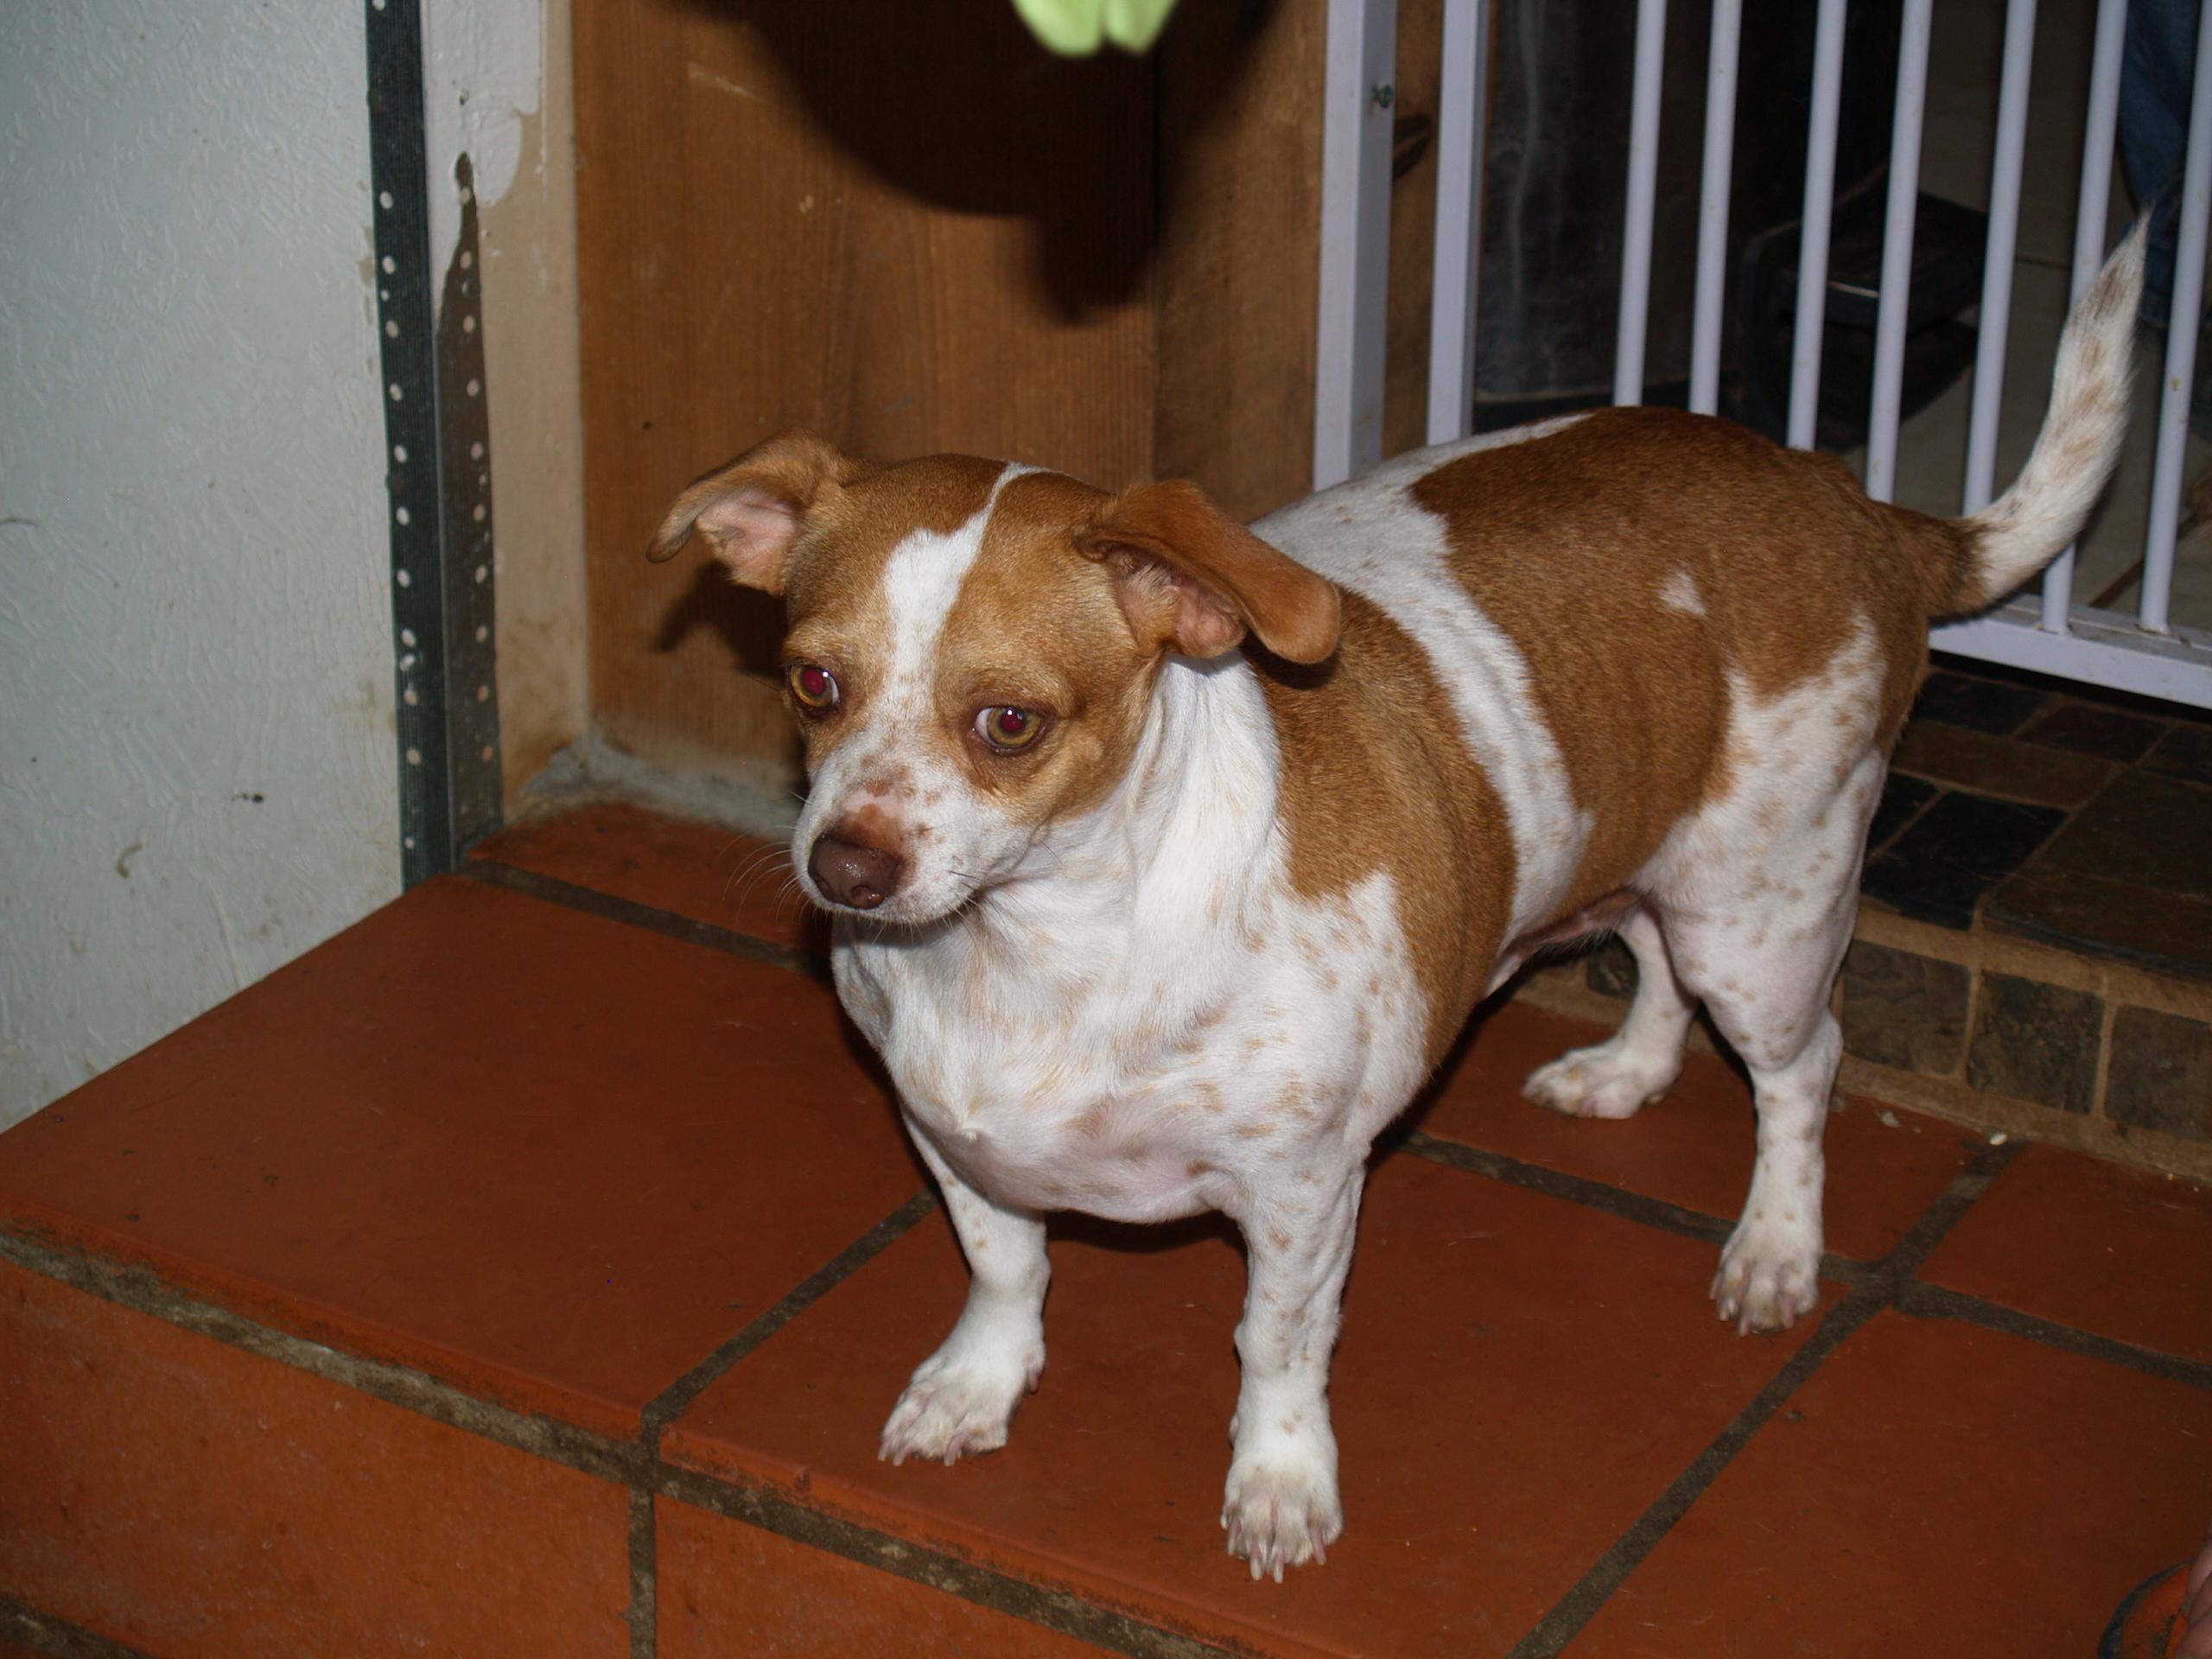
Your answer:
<point x="438" y="476"/>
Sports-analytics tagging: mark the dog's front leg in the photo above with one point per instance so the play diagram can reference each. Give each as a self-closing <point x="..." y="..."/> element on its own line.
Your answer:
<point x="963" y="1397"/>
<point x="1282" y="1509"/>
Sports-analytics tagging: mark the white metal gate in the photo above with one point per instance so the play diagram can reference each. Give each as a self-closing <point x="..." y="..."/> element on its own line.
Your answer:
<point x="2147" y="653"/>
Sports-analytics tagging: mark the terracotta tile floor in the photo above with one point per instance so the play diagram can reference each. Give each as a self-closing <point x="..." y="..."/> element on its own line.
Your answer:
<point x="531" y="1268"/>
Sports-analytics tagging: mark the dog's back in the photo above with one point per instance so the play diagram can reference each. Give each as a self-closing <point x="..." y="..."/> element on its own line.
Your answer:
<point x="1568" y="640"/>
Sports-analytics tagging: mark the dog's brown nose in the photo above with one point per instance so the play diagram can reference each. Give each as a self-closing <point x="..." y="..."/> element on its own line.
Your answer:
<point x="853" y="874"/>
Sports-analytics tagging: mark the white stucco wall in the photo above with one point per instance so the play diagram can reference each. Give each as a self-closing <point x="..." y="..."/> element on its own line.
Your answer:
<point x="197" y="778"/>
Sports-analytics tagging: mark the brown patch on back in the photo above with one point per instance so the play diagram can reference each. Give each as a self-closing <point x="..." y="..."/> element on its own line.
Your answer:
<point x="1949" y="561"/>
<point x="1375" y="775"/>
<point x="1569" y="543"/>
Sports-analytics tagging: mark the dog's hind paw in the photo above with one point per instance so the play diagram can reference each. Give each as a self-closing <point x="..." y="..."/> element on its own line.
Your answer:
<point x="1608" y="1079"/>
<point x="1279" y="1517"/>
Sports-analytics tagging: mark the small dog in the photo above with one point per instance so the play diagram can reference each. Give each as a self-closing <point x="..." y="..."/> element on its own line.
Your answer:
<point x="1144" y="924"/>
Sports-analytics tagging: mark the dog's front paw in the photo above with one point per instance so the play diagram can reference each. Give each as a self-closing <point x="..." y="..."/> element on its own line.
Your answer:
<point x="1282" y="1513"/>
<point x="1769" y="1273"/>
<point x="960" y="1400"/>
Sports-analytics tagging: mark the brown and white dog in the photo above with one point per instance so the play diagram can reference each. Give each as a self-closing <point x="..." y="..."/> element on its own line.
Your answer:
<point x="1145" y="925"/>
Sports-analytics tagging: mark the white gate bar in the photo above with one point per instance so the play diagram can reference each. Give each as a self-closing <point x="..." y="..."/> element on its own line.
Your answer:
<point x="1355" y="239"/>
<point x="1812" y="235"/>
<point x="2105" y="648"/>
<point x="1889" y="315"/>
<point x="2181" y="339"/>
<point x="1460" y="129"/>
<point x="1712" y="205"/>
<point x="1996" y="318"/>
<point x="2098" y="134"/>
<point x="1642" y="193"/>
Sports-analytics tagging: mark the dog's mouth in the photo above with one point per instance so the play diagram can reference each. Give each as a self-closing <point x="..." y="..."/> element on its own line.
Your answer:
<point x="916" y="901"/>
<point x="905" y="923"/>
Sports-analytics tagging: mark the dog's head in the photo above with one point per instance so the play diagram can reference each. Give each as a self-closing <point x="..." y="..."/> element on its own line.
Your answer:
<point x="973" y="646"/>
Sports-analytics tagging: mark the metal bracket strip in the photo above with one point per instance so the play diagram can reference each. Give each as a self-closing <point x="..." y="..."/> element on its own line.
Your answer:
<point x="437" y="476"/>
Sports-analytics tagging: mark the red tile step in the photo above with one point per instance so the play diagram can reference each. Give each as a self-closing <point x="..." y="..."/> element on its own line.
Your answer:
<point x="518" y="1273"/>
<point x="551" y="1158"/>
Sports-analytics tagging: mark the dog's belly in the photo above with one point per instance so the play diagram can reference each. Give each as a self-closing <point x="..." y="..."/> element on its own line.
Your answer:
<point x="1148" y="1097"/>
<point x="1153" y="1138"/>
<point x="1142" y="1179"/>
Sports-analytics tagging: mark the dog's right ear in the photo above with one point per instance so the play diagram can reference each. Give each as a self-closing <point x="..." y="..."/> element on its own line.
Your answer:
<point x="753" y="510"/>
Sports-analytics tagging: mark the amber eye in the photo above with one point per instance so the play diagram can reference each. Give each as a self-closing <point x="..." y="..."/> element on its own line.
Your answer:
<point x="1008" y="729"/>
<point x="813" y="685"/>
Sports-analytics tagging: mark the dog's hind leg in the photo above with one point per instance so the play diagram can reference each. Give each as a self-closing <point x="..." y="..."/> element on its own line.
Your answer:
<point x="1638" y="1063"/>
<point x="963" y="1397"/>
<point x="1762" y="951"/>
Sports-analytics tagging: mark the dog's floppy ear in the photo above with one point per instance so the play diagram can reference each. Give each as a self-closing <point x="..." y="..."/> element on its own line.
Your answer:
<point x="1192" y="579"/>
<point x="753" y="510"/>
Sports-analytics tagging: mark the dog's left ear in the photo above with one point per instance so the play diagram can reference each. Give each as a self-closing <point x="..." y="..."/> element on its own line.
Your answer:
<point x="1192" y="579"/>
<point x="753" y="510"/>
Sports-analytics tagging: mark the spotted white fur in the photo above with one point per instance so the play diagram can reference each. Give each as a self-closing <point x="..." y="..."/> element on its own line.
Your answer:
<point x="1638" y="1063"/>
<point x="1369" y="535"/>
<point x="1758" y="890"/>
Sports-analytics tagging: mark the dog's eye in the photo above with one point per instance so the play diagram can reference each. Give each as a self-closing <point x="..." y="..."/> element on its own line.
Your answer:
<point x="814" y="686"/>
<point x="1008" y="729"/>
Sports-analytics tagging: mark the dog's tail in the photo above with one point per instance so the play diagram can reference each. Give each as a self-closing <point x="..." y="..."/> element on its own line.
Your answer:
<point x="1973" y="562"/>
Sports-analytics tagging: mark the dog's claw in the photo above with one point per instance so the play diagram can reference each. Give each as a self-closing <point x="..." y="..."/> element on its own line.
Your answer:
<point x="1766" y="1282"/>
<point x="1277" y="1518"/>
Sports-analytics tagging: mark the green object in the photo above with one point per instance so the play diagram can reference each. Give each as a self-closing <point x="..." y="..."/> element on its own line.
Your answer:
<point x="1074" y="28"/>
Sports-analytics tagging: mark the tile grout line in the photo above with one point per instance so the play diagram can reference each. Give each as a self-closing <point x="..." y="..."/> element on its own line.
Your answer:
<point x="643" y="1617"/>
<point x="936" y="1567"/>
<point x="142" y="1291"/>
<point x="630" y="1464"/>
<point x="58" y="1638"/>
<point x="1580" y="1604"/>
<point x="1911" y="818"/>
<point x="1884" y="1288"/>
<point x="1905" y="1258"/>
<point x="672" y="1401"/>
<point x="510" y="878"/>
<point x="1660" y="1214"/>
<point x="1921" y="1300"/>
